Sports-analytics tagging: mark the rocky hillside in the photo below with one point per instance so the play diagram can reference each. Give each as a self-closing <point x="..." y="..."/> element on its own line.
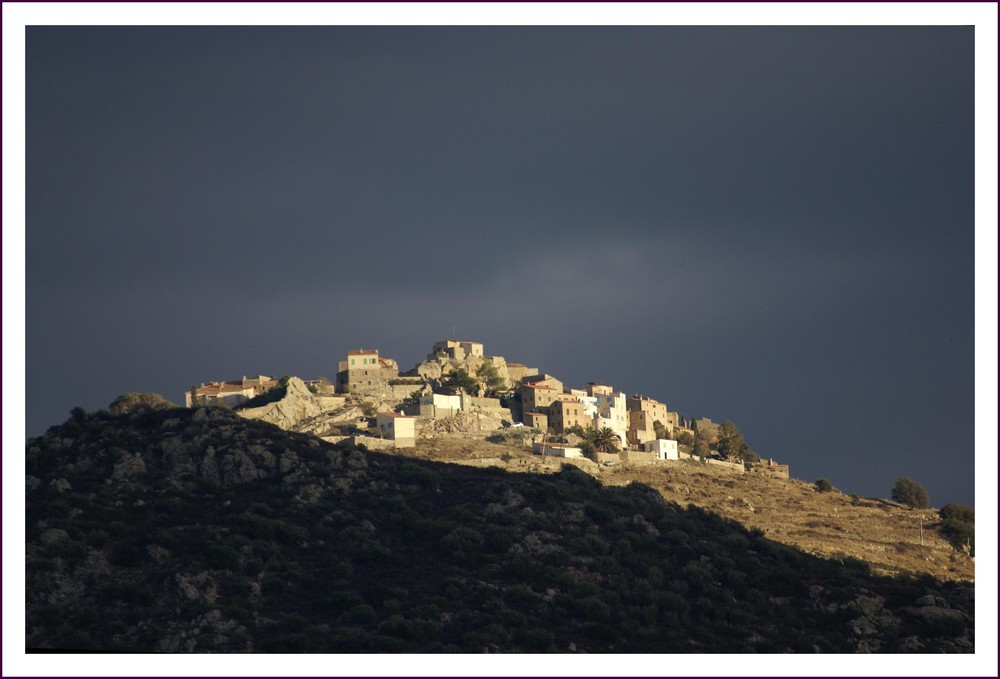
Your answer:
<point x="200" y="531"/>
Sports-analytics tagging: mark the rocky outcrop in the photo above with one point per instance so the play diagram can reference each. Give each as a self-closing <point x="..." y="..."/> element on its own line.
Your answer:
<point x="183" y="448"/>
<point x="296" y="405"/>
<point x="436" y="368"/>
<point x="459" y="423"/>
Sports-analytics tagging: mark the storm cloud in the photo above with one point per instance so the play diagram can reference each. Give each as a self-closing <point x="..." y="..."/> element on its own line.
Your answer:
<point x="772" y="225"/>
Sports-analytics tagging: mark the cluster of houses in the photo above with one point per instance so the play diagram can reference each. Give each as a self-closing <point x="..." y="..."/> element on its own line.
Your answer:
<point x="645" y="428"/>
<point x="229" y="393"/>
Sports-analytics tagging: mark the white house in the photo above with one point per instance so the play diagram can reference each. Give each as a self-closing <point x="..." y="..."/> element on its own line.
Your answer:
<point x="399" y="429"/>
<point x="440" y="405"/>
<point x="556" y="449"/>
<point x="612" y="413"/>
<point x="664" y="449"/>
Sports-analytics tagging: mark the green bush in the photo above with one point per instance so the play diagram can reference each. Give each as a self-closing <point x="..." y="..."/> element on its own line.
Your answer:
<point x="910" y="493"/>
<point x="959" y="526"/>
<point x="958" y="512"/>
<point x="822" y="485"/>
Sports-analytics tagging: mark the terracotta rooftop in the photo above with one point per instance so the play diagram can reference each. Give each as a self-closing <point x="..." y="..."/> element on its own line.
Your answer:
<point x="220" y="387"/>
<point x="358" y="352"/>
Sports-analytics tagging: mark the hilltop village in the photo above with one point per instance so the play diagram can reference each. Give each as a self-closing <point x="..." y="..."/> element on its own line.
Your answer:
<point x="459" y="390"/>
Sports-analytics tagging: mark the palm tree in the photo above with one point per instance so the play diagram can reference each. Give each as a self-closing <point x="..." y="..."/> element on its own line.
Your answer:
<point x="606" y="440"/>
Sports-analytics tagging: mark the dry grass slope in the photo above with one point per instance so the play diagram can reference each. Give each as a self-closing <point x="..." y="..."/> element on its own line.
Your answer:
<point x="833" y="524"/>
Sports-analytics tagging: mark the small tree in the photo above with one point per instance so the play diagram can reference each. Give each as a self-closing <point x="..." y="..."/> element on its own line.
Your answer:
<point x="458" y="381"/>
<point x="910" y="493"/>
<point x="731" y="444"/>
<point x="495" y="384"/>
<point x="823" y="486"/>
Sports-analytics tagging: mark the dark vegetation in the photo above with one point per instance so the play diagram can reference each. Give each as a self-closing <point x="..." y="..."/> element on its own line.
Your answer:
<point x="196" y="530"/>
<point x="910" y="493"/>
<point x="958" y="525"/>
<point x="823" y="485"/>
<point x="272" y="395"/>
<point x="130" y="401"/>
<point x="458" y="381"/>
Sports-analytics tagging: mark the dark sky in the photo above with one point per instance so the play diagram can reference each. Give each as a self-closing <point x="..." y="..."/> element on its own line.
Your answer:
<point x="768" y="225"/>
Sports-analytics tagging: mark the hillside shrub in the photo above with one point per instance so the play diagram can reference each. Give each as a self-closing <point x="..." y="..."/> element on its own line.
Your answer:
<point x="822" y="485"/>
<point x="959" y="526"/>
<point x="910" y="493"/>
<point x="953" y="512"/>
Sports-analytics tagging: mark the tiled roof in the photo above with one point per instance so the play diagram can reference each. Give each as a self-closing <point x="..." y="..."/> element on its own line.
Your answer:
<point x="220" y="387"/>
<point x="358" y="352"/>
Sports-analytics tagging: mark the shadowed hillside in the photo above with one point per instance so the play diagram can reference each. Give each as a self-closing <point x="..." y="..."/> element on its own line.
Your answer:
<point x="892" y="538"/>
<point x="199" y="531"/>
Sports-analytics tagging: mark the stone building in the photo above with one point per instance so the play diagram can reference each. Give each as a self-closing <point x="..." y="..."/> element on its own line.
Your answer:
<point x="643" y="413"/>
<point x="458" y="350"/>
<point x="771" y="468"/>
<point x="544" y="380"/>
<point x="231" y="392"/>
<point x="365" y="372"/>
<point x="400" y="429"/>
<point x="536" y="398"/>
<point x="516" y="372"/>
<point x="538" y="421"/>
<point x="565" y="414"/>
<point x="709" y="429"/>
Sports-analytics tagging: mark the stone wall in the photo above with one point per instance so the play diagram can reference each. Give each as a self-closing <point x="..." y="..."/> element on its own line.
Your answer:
<point x="731" y="466"/>
<point x="771" y="468"/>
<point x="404" y="391"/>
<point x="640" y="457"/>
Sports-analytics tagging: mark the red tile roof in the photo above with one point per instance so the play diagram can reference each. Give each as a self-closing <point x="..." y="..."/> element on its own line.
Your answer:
<point x="359" y="352"/>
